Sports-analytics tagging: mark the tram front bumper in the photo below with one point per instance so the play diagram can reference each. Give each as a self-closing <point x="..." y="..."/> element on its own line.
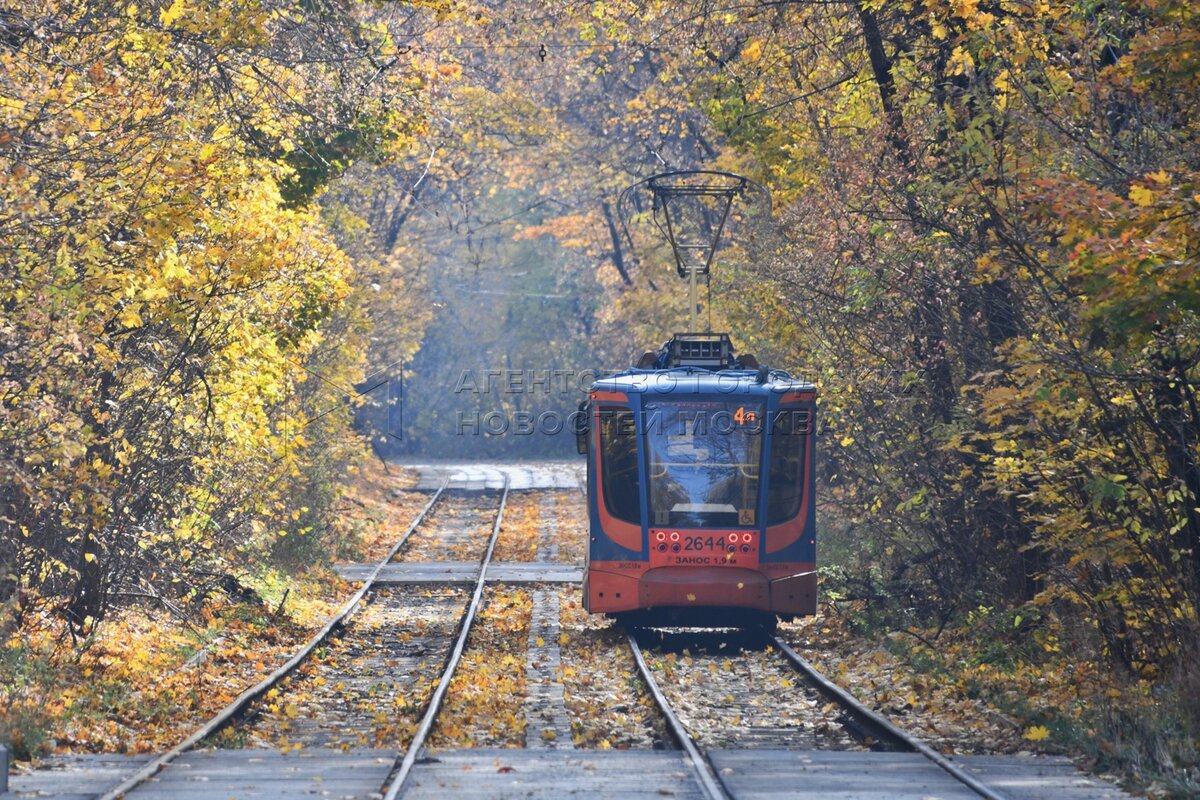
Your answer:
<point x="726" y="587"/>
<point x="698" y="587"/>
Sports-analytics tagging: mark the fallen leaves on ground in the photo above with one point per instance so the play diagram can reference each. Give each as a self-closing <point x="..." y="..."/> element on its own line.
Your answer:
<point x="376" y="511"/>
<point x="987" y="687"/>
<point x="522" y="528"/>
<point x="609" y="705"/>
<point x="456" y="529"/>
<point x="571" y="533"/>
<point x="485" y="706"/>
<point x="135" y="690"/>
<point x="934" y="708"/>
<point x="369" y="686"/>
<point x="528" y="536"/>
<point x="147" y="678"/>
<point x="731" y="697"/>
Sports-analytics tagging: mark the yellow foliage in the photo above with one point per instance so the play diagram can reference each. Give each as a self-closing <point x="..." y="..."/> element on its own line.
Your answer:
<point x="170" y="281"/>
<point x="1037" y="733"/>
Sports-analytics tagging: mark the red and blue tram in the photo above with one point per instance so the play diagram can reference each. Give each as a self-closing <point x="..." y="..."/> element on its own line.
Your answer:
<point x="700" y="490"/>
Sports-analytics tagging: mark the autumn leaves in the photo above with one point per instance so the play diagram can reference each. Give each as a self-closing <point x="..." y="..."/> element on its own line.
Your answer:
<point x="181" y="320"/>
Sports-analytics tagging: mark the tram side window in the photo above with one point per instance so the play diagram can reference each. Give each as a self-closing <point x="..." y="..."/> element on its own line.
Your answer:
<point x="789" y="435"/>
<point x="619" y="464"/>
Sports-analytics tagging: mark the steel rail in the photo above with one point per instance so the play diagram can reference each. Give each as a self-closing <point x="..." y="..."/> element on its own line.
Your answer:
<point x="881" y="724"/>
<point x="395" y="781"/>
<point x="709" y="782"/>
<point x="231" y="711"/>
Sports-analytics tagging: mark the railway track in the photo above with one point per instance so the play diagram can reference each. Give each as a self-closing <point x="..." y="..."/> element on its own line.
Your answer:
<point x="396" y="780"/>
<point x="383" y="651"/>
<point x="862" y="722"/>
<point x="370" y="707"/>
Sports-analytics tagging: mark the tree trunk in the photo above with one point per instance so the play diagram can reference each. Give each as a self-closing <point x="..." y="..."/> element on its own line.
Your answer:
<point x="1179" y="429"/>
<point x="618" y="257"/>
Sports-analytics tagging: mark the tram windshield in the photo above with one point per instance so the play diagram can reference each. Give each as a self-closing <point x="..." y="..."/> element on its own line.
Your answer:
<point x="704" y="462"/>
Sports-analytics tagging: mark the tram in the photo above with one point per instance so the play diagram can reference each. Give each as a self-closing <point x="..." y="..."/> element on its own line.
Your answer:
<point x="700" y="489"/>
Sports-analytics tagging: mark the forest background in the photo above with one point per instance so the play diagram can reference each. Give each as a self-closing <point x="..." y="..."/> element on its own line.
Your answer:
<point x="219" y="222"/>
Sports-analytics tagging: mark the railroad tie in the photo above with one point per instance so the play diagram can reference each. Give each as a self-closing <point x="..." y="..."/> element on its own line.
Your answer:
<point x="547" y="543"/>
<point x="547" y="723"/>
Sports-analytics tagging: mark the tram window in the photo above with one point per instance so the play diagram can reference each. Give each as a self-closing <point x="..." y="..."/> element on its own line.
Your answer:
<point x="785" y="487"/>
<point x="619" y="464"/>
<point x="704" y="463"/>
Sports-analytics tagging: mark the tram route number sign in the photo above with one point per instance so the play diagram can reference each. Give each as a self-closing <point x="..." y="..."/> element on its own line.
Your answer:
<point x="683" y="548"/>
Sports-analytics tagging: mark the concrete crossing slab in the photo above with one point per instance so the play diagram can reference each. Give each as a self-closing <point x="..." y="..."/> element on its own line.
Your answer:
<point x="859" y="775"/>
<point x="442" y="572"/>
<point x="488" y="773"/>
<point x="477" y="475"/>
<point x="73" y="777"/>
<point x="500" y="774"/>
